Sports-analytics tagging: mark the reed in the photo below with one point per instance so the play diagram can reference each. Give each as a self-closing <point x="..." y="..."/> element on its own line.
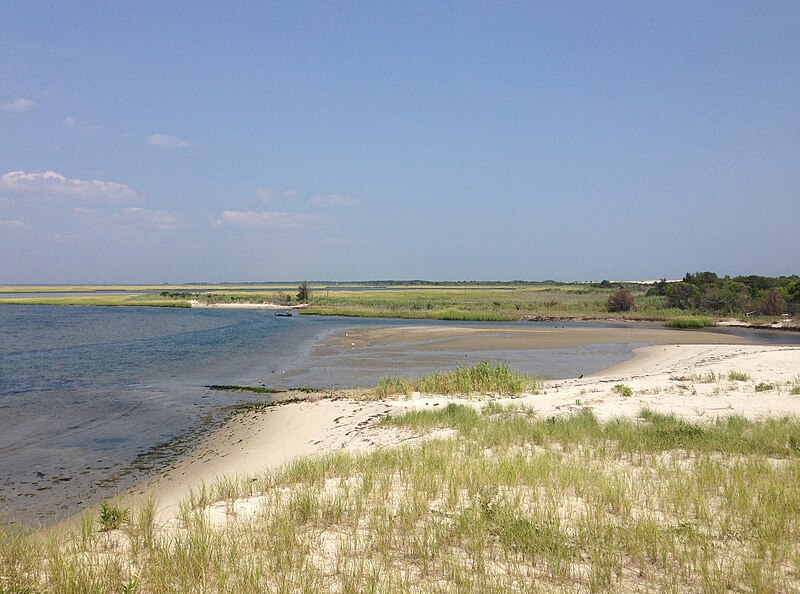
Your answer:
<point x="481" y="378"/>
<point x="690" y="322"/>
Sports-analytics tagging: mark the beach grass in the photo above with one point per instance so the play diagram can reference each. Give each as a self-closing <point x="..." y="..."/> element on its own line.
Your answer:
<point x="690" y="322"/>
<point x="507" y="503"/>
<point x="481" y="378"/>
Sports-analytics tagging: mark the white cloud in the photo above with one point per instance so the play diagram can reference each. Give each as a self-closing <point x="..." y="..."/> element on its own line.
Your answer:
<point x="155" y="219"/>
<point x="50" y="183"/>
<point x="13" y="225"/>
<point x="334" y="200"/>
<point x="81" y="126"/>
<point x="19" y="104"/>
<point x="168" y="141"/>
<point x="265" y="194"/>
<point x="280" y="220"/>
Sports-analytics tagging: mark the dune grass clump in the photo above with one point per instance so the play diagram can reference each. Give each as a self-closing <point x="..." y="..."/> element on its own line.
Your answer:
<point x="738" y="376"/>
<point x="690" y="322"/>
<point x="622" y="390"/>
<point x="481" y="378"/>
<point x="112" y="516"/>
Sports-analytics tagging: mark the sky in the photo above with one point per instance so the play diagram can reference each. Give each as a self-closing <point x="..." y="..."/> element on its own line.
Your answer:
<point x="152" y="142"/>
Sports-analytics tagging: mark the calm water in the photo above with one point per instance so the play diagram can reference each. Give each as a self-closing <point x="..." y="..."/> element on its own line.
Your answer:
<point x="94" y="399"/>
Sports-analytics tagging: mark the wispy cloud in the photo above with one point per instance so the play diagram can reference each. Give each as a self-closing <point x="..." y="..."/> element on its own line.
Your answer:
<point x="14" y="225"/>
<point x="19" y="104"/>
<point x="265" y="195"/>
<point x="159" y="220"/>
<point x="333" y="200"/>
<point x="81" y="126"/>
<point x="129" y="218"/>
<point x="277" y="220"/>
<point x="168" y="141"/>
<point x="49" y="184"/>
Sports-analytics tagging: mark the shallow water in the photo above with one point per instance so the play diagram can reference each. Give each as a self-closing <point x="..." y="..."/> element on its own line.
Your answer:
<point x="94" y="399"/>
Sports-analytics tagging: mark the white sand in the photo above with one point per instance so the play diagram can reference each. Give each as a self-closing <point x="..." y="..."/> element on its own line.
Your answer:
<point x="195" y="303"/>
<point x="664" y="378"/>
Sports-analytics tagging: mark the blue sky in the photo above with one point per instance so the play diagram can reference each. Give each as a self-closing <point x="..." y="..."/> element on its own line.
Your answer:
<point x="173" y="142"/>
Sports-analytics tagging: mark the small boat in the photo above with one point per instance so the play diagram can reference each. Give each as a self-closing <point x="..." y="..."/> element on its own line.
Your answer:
<point x="283" y="314"/>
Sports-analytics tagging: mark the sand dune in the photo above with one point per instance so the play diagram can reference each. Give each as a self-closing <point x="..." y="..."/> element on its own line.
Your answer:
<point x="692" y="381"/>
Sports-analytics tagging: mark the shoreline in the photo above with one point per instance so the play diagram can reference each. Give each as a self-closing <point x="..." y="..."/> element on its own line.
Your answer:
<point x="197" y="304"/>
<point x="687" y="380"/>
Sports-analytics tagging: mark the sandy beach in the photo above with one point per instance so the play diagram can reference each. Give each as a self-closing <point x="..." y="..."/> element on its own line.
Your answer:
<point x="532" y="496"/>
<point x="690" y="381"/>
<point x="276" y="306"/>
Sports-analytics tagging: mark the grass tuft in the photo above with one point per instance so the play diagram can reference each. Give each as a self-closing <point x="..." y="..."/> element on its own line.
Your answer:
<point x="690" y="322"/>
<point x="738" y="376"/>
<point x="112" y="516"/>
<point x="622" y="390"/>
<point x="482" y="378"/>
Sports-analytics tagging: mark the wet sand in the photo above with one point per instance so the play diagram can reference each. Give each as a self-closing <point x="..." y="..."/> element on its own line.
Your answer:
<point x="470" y="338"/>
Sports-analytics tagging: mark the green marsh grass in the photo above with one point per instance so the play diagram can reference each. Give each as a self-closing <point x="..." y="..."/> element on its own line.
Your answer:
<point x="690" y="322"/>
<point x="481" y="378"/>
<point x="510" y="503"/>
<point x="145" y="300"/>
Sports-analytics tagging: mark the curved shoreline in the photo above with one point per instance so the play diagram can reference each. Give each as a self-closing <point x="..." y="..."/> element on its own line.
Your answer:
<point x="663" y="378"/>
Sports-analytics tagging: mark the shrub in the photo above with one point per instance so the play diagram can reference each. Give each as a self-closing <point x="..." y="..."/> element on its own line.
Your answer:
<point x="682" y="295"/>
<point x="303" y="292"/>
<point x="772" y="304"/>
<point x="620" y="301"/>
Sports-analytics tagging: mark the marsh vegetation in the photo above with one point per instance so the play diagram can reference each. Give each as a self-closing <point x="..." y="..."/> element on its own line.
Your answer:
<point x="698" y="300"/>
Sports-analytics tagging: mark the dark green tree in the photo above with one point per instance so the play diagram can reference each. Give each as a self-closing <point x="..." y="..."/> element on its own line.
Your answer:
<point x="303" y="292"/>
<point x="682" y="295"/>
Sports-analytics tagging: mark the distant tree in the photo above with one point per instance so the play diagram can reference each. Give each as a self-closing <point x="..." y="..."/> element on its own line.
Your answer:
<point x="682" y="295"/>
<point x="620" y="301"/>
<point x="702" y="279"/>
<point x="772" y="304"/>
<point x="659" y="288"/>
<point x="792" y="296"/>
<point x="303" y="292"/>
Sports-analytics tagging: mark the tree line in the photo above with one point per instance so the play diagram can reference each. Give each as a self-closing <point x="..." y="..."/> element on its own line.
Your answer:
<point x="748" y="295"/>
